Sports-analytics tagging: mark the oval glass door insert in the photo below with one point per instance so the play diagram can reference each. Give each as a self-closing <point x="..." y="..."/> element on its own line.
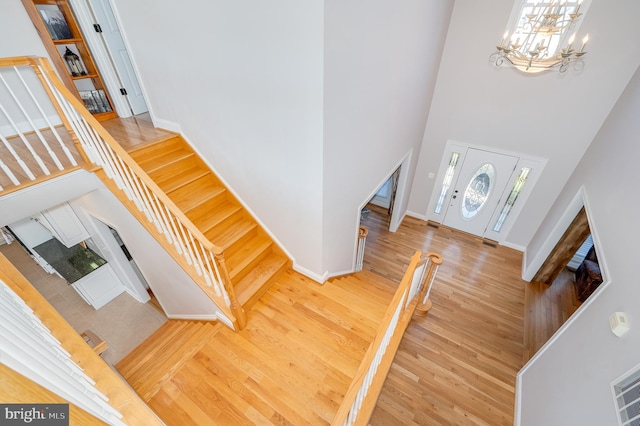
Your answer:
<point x="477" y="192"/>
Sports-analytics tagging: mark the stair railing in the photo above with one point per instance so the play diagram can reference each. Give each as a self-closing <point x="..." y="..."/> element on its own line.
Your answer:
<point x="362" y="240"/>
<point x="40" y="345"/>
<point x="25" y="114"/>
<point x="361" y="397"/>
<point x="200" y="258"/>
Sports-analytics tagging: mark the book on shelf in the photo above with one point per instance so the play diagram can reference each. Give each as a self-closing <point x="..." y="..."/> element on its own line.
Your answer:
<point x="95" y="101"/>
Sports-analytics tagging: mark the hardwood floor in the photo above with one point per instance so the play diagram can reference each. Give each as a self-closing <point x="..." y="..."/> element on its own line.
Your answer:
<point x="24" y="153"/>
<point x="134" y="132"/>
<point x="548" y="307"/>
<point x="458" y="365"/>
<point x="128" y="131"/>
<point x="291" y="365"/>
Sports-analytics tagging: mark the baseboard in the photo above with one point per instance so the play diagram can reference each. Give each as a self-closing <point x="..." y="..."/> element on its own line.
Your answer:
<point x="135" y="296"/>
<point x="196" y="317"/>
<point x="218" y="317"/>
<point x="416" y="215"/>
<point x="513" y="246"/>
<point x="167" y="125"/>
<point x="339" y="274"/>
<point x="226" y="321"/>
<point x="310" y="274"/>
<point x="396" y="225"/>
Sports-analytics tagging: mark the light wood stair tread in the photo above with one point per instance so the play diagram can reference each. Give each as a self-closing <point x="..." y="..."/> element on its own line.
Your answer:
<point x="181" y="179"/>
<point x="268" y="270"/>
<point x="147" y="350"/>
<point x="168" y="142"/>
<point x="195" y="193"/>
<point x="168" y="171"/>
<point x="225" y="237"/>
<point x="154" y="362"/>
<point x="247" y="255"/>
<point x="252" y="259"/>
<point x="153" y="163"/>
<point x="222" y="211"/>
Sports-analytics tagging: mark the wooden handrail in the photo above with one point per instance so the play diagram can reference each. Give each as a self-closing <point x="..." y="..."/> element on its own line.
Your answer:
<point x="400" y="311"/>
<point x="115" y="146"/>
<point x="204" y="260"/>
<point x="16" y="61"/>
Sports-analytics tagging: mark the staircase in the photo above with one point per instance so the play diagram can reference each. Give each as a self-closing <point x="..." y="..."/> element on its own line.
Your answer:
<point x="158" y="178"/>
<point x="253" y="260"/>
<point x="157" y="359"/>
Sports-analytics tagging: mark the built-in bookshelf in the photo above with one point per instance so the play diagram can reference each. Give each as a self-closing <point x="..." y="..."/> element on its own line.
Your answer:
<point x="56" y="24"/>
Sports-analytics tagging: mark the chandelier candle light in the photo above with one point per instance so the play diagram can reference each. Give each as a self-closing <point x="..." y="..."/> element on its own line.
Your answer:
<point x="535" y="45"/>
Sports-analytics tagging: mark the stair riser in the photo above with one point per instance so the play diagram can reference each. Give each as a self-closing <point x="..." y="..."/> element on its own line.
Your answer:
<point x="192" y="195"/>
<point x="237" y="275"/>
<point x="157" y="148"/>
<point x="208" y="207"/>
<point x="241" y="242"/>
<point x="246" y="304"/>
<point x="188" y="182"/>
<point x="167" y="172"/>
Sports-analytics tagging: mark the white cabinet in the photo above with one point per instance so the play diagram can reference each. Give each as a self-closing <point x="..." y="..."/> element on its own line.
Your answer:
<point x="99" y="287"/>
<point x="31" y="234"/>
<point x="64" y="224"/>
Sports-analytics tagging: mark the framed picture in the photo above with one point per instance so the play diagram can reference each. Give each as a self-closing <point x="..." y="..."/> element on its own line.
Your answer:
<point x="55" y="22"/>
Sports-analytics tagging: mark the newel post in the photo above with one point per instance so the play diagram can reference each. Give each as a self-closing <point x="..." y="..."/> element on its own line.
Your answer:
<point x="236" y="308"/>
<point x="424" y="304"/>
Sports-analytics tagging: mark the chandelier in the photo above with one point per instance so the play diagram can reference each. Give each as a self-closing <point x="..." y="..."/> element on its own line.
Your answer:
<point x="538" y="43"/>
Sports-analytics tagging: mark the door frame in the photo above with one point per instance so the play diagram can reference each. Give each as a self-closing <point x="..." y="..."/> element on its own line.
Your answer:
<point x="85" y="19"/>
<point x="565" y="249"/>
<point x="536" y="164"/>
<point x="504" y="167"/>
<point x="400" y="197"/>
<point x="561" y="234"/>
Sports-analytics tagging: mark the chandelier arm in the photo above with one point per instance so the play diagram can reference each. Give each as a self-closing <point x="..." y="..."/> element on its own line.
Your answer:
<point x="540" y="33"/>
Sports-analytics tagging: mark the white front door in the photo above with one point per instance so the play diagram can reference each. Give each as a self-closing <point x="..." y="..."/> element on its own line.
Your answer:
<point x="119" y="55"/>
<point x="478" y="189"/>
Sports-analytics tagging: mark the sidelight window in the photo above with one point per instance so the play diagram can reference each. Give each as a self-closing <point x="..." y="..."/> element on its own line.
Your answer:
<point x="518" y="185"/>
<point x="446" y="181"/>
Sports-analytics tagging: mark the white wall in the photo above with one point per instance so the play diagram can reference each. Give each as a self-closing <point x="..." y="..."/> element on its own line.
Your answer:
<point x="177" y="293"/>
<point x="380" y="64"/>
<point x="302" y="107"/>
<point x="19" y="38"/>
<point x="18" y="35"/>
<point x="244" y="82"/>
<point x="569" y="382"/>
<point x="179" y="296"/>
<point x="548" y="115"/>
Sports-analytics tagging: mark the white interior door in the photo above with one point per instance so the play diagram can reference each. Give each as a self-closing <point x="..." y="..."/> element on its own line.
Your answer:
<point x="478" y="189"/>
<point x="119" y="56"/>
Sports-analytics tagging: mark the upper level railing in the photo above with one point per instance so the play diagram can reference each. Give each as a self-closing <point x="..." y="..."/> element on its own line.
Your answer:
<point x="38" y="111"/>
<point x="40" y="345"/>
<point x="361" y="397"/>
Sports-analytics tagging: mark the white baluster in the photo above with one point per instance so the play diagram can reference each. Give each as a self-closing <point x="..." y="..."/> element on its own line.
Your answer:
<point x="44" y="142"/>
<point x="19" y="160"/>
<point x="22" y="137"/>
<point x="63" y="146"/>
